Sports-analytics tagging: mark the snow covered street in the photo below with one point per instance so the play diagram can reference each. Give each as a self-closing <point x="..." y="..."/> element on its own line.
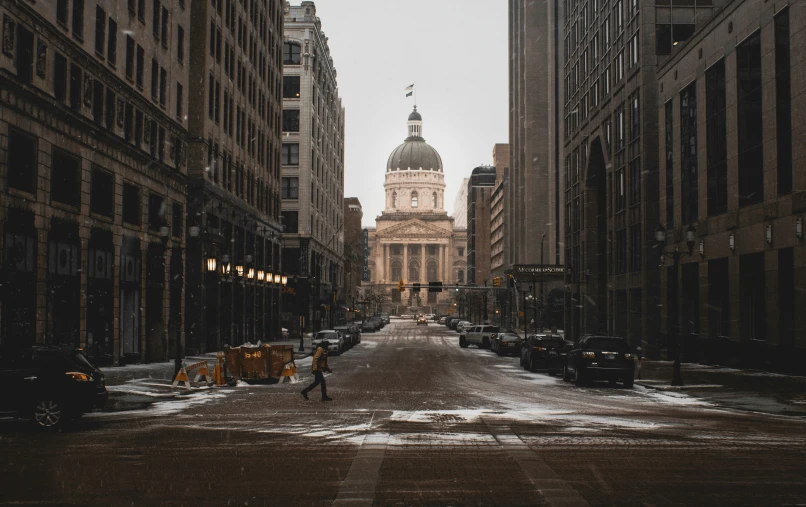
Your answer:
<point x="415" y="420"/>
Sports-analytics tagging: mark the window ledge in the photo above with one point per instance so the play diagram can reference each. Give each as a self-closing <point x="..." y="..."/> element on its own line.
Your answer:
<point x="104" y="218"/>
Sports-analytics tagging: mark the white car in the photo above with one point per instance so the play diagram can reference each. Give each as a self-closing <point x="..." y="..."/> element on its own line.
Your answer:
<point x="481" y="336"/>
<point x="333" y="337"/>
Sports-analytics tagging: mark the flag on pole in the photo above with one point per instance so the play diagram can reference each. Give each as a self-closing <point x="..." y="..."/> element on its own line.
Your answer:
<point x="409" y="90"/>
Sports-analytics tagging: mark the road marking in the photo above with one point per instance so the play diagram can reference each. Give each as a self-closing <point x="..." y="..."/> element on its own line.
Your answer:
<point x="358" y="487"/>
<point x="551" y="486"/>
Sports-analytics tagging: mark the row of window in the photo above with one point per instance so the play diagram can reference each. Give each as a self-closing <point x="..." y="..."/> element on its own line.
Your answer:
<point x="234" y="176"/>
<point x="65" y="185"/>
<point x="749" y="105"/>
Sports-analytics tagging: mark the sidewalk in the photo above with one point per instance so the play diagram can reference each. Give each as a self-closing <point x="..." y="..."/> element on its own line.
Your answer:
<point x="752" y="390"/>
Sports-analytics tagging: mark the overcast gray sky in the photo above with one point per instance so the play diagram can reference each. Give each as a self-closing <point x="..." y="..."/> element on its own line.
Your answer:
<point x="456" y="51"/>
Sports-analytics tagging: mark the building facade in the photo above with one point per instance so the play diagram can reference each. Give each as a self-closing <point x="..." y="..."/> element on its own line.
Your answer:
<point x="479" y="193"/>
<point x="414" y="239"/>
<point x="460" y="206"/>
<point x="234" y="169"/>
<point x="313" y="166"/>
<point x="611" y="161"/>
<point x="94" y="175"/>
<point x="498" y="237"/>
<point x="353" y="253"/>
<point x="535" y="132"/>
<point x="733" y="189"/>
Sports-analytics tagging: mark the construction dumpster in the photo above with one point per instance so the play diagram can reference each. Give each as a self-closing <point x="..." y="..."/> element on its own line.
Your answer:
<point x="265" y="362"/>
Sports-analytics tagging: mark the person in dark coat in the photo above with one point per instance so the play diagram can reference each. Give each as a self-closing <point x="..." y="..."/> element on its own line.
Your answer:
<point x="319" y="367"/>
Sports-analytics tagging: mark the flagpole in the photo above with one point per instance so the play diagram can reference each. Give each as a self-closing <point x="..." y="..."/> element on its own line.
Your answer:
<point x="415" y="94"/>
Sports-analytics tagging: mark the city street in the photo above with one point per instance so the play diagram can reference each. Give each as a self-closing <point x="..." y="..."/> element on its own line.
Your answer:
<point x="415" y="420"/>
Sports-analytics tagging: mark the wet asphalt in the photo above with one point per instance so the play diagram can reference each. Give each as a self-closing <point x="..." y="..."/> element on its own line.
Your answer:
<point x="416" y="420"/>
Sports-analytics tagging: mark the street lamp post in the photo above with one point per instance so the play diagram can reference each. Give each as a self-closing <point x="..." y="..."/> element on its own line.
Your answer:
<point x="660" y="239"/>
<point x="542" y="282"/>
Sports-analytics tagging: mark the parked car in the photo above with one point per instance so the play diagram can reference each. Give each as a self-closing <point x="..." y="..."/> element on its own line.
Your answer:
<point x="463" y="326"/>
<point x="600" y="358"/>
<point x="385" y="318"/>
<point x="453" y="322"/>
<point x="542" y="352"/>
<point x="506" y="344"/>
<point x="346" y="333"/>
<point x="49" y="385"/>
<point x="334" y="338"/>
<point x="442" y="320"/>
<point x="422" y="321"/>
<point x="368" y="327"/>
<point x="481" y="336"/>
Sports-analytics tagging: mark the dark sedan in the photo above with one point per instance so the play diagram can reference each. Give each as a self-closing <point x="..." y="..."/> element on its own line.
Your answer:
<point x="600" y="358"/>
<point x="506" y="344"/>
<point x="49" y="385"/>
<point x="542" y="352"/>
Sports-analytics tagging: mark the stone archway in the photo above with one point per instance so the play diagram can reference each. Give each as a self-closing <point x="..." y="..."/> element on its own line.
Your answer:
<point x="594" y="235"/>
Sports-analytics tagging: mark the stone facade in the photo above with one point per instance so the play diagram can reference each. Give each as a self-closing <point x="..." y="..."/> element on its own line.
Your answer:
<point x="460" y="206"/>
<point x="737" y="183"/>
<point x="234" y="166"/>
<point x="94" y="176"/>
<point x="534" y="198"/>
<point x="312" y="165"/>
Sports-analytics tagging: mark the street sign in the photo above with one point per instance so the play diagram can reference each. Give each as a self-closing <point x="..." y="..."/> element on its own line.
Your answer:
<point x="434" y="286"/>
<point x="520" y="314"/>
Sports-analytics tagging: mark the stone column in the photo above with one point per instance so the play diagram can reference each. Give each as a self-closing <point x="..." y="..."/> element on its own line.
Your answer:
<point x="405" y="273"/>
<point x="382" y="265"/>
<point x="423" y="270"/>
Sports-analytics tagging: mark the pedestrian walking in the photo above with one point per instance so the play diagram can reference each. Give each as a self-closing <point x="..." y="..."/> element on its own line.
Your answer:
<point x="319" y="367"/>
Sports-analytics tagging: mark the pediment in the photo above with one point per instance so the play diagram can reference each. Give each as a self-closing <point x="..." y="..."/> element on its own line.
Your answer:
<point x="414" y="228"/>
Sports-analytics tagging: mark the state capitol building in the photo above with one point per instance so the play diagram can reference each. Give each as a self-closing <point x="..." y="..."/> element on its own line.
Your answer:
<point x="414" y="239"/>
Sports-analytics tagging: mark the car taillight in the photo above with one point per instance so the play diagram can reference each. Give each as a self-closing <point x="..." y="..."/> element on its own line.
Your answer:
<point x="627" y="356"/>
<point x="78" y="376"/>
<point x="539" y="349"/>
<point x="589" y="355"/>
<point x="493" y="336"/>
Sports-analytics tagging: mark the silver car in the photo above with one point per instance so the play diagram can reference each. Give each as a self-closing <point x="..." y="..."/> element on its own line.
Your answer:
<point x="334" y="338"/>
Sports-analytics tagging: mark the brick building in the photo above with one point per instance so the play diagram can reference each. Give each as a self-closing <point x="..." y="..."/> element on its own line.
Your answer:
<point x="312" y="164"/>
<point x="353" y="252"/>
<point x="733" y="188"/>
<point x="234" y="168"/>
<point x="498" y="237"/>
<point x="479" y="192"/>
<point x="93" y="172"/>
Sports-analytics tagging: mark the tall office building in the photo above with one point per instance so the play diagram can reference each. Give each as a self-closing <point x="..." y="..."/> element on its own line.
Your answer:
<point x="234" y="169"/>
<point x="733" y="189"/>
<point x="92" y="166"/>
<point x="460" y="206"/>
<point x="353" y="252"/>
<point x="535" y="135"/>
<point x="498" y="212"/>
<point x="479" y="191"/>
<point x="611" y="165"/>
<point x="313" y="165"/>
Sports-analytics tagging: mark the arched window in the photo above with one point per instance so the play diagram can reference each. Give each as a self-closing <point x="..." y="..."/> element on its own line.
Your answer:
<point x="431" y="271"/>
<point x="414" y="271"/>
<point x="434" y="200"/>
<point x="397" y="271"/>
<point x="291" y="53"/>
<point x="414" y="199"/>
<point x="394" y="199"/>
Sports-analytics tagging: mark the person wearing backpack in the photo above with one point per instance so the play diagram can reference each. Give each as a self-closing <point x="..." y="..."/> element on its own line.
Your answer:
<point x="319" y="367"/>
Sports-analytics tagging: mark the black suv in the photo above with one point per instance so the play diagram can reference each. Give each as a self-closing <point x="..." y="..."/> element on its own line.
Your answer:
<point x="542" y="352"/>
<point x="49" y="385"/>
<point x="600" y="358"/>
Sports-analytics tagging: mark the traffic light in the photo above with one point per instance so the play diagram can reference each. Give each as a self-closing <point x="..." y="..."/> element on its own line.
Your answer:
<point x="416" y="287"/>
<point x="497" y="281"/>
<point x="434" y="286"/>
<point x="401" y="286"/>
<point x="511" y="282"/>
